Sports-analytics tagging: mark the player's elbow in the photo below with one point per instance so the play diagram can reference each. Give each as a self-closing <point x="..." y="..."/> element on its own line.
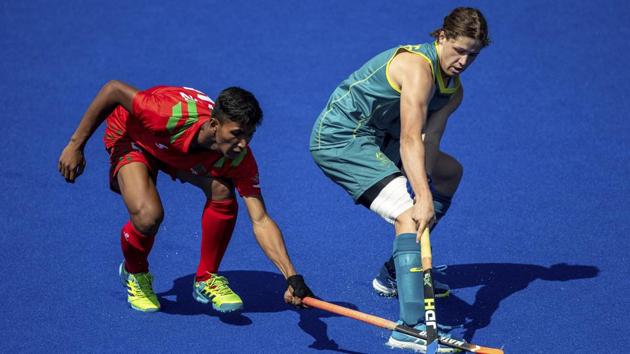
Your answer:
<point x="112" y="85"/>
<point x="111" y="89"/>
<point x="116" y="92"/>
<point x="410" y="141"/>
<point x="260" y="220"/>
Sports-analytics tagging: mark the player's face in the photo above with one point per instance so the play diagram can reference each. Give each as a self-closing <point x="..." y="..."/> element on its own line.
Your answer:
<point x="457" y="53"/>
<point x="231" y="138"/>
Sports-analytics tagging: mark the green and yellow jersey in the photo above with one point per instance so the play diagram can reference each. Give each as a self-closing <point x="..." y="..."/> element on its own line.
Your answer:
<point x="368" y="102"/>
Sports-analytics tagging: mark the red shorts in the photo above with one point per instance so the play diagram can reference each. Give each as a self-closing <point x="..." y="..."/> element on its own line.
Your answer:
<point x="124" y="151"/>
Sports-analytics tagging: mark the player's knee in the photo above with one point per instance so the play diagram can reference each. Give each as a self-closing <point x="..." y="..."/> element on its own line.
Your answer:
<point x="448" y="174"/>
<point x="448" y="168"/>
<point x="147" y="219"/>
<point x="405" y="222"/>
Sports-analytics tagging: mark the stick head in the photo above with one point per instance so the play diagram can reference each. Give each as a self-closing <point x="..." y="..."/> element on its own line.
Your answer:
<point x="432" y="348"/>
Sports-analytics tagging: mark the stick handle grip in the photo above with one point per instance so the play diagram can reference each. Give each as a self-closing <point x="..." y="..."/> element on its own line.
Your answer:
<point x="425" y="249"/>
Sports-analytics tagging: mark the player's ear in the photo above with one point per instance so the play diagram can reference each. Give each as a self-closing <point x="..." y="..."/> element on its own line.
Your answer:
<point x="214" y="123"/>
<point x="442" y="37"/>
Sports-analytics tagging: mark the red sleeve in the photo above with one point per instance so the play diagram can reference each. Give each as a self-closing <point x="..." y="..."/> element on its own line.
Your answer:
<point x="245" y="176"/>
<point x="152" y="109"/>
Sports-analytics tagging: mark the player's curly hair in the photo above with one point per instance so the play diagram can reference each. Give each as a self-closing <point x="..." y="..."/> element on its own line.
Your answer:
<point x="465" y="21"/>
<point x="238" y="105"/>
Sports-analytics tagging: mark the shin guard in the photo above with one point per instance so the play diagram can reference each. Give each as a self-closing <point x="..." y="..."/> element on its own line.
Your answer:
<point x="409" y="276"/>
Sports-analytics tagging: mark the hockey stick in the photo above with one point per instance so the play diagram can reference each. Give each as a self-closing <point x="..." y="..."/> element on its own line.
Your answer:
<point x="393" y="326"/>
<point x="430" y="317"/>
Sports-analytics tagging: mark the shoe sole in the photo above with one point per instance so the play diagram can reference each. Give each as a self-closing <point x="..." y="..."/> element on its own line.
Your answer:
<point x="120" y="274"/>
<point x="143" y="310"/>
<point x="418" y="348"/>
<point x="224" y="308"/>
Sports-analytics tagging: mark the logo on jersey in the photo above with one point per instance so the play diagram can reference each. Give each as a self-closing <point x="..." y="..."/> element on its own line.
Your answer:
<point x="256" y="181"/>
<point x="382" y="158"/>
<point x="161" y="146"/>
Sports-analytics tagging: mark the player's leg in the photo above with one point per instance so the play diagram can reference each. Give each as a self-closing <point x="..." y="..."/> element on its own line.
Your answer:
<point x="444" y="180"/>
<point x="390" y="200"/>
<point x="394" y="204"/>
<point x="374" y="181"/>
<point x="217" y="225"/>
<point x="133" y="175"/>
<point x="136" y="184"/>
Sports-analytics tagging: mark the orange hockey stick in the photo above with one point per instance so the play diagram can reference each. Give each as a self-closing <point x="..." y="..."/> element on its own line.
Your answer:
<point x="393" y="326"/>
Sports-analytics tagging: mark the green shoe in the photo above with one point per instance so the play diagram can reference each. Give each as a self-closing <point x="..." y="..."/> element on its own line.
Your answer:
<point x="216" y="289"/>
<point x="140" y="295"/>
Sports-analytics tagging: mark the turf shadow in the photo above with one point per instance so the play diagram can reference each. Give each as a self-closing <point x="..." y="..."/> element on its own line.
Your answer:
<point x="497" y="281"/>
<point x="262" y="292"/>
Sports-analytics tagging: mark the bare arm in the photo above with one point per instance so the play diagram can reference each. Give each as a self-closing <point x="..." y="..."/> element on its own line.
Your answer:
<point x="413" y="75"/>
<point x="270" y="239"/>
<point x="112" y="94"/>
<point x="436" y="124"/>
<point x="268" y="235"/>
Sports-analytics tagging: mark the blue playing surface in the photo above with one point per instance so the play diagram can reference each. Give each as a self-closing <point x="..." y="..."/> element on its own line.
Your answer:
<point x="536" y="240"/>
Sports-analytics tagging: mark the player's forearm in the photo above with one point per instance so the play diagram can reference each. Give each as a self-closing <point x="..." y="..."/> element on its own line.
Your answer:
<point x="413" y="117"/>
<point x="412" y="153"/>
<point x="270" y="239"/>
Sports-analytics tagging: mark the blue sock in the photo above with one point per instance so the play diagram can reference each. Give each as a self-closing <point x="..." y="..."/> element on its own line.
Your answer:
<point x="410" y="296"/>
<point x="441" y="203"/>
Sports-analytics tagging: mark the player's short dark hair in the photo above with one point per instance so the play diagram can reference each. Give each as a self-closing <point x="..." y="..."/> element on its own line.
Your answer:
<point x="238" y="105"/>
<point x="465" y="21"/>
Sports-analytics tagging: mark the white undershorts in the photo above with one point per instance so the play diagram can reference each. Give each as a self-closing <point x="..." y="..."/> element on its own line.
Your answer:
<point x="392" y="200"/>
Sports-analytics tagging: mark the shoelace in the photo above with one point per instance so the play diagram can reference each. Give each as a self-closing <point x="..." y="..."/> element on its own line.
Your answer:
<point x="143" y="285"/>
<point x="218" y="285"/>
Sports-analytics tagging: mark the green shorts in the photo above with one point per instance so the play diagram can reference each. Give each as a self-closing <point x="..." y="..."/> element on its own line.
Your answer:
<point x="356" y="166"/>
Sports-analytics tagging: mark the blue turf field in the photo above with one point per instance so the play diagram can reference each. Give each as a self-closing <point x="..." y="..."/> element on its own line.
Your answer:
<point x="537" y="238"/>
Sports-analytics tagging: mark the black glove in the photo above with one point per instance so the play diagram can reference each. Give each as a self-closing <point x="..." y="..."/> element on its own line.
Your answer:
<point x="300" y="289"/>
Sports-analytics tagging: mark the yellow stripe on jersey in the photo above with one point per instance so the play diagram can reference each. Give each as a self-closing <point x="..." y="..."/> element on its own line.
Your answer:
<point x="409" y="49"/>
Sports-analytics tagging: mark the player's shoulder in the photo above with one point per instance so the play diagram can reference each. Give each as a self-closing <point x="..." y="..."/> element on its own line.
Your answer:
<point x="173" y="95"/>
<point x="408" y="64"/>
<point x="176" y="90"/>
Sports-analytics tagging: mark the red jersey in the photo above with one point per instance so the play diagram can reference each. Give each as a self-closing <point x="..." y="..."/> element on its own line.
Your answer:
<point x="164" y="121"/>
